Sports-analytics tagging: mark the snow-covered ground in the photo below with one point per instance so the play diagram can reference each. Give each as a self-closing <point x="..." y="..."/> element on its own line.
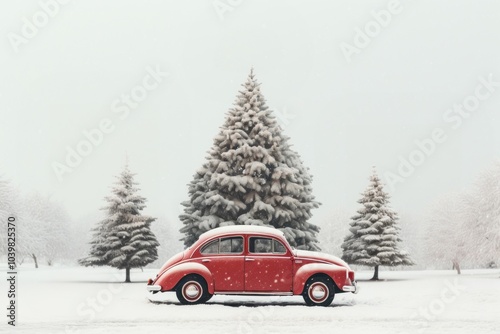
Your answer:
<point x="84" y="300"/>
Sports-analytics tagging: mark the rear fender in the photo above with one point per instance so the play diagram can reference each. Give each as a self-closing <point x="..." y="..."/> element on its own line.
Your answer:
<point x="337" y="273"/>
<point x="170" y="277"/>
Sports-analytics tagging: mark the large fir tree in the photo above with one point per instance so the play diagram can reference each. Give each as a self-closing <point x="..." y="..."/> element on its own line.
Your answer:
<point x="374" y="233"/>
<point x="123" y="239"/>
<point x="251" y="176"/>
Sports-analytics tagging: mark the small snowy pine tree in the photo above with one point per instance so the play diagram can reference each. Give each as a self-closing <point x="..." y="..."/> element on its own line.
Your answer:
<point x="251" y="177"/>
<point x="374" y="233"/>
<point x="124" y="239"/>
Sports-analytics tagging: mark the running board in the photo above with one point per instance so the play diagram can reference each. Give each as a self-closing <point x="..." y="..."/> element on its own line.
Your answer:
<point x="253" y="293"/>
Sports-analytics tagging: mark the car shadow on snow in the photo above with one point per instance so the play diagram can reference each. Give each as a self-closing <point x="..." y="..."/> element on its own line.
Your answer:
<point x="249" y="303"/>
<point x="109" y="282"/>
<point x="368" y="280"/>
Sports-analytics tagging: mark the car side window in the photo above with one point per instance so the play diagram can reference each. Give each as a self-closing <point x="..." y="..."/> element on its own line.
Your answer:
<point x="278" y="247"/>
<point x="231" y="245"/>
<point x="266" y="245"/>
<point x="224" y="246"/>
<point x="261" y="245"/>
<point x="211" y="248"/>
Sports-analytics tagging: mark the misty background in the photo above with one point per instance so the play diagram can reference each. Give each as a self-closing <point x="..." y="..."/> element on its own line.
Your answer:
<point x="343" y="116"/>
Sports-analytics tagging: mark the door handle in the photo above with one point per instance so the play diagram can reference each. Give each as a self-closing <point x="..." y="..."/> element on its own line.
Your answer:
<point x="249" y="259"/>
<point x="205" y="260"/>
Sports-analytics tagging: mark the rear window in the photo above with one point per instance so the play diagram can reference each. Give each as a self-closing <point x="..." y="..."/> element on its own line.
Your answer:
<point x="231" y="245"/>
<point x="211" y="248"/>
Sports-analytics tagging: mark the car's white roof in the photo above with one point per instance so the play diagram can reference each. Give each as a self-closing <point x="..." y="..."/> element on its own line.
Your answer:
<point x="242" y="229"/>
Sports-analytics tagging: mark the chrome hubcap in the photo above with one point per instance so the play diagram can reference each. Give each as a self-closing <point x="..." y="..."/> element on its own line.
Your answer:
<point x="318" y="292"/>
<point x="192" y="290"/>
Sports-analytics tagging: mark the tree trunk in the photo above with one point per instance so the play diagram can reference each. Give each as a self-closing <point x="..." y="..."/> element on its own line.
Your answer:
<point x="127" y="275"/>
<point x="375" y="274"/>
<point x="456" y="266"/>
<point x="34" y="259"/>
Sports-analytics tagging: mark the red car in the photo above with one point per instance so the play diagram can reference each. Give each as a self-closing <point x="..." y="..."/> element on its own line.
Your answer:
<point x="252" y="260"/>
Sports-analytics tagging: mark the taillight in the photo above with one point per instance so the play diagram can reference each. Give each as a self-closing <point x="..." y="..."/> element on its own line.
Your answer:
<point x="351" y="276"/>
<point x="150" y="281"/>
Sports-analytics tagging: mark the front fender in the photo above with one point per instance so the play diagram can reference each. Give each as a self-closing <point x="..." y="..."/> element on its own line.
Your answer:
<point x="170" y="277"/>
<point x="337" y="273"/>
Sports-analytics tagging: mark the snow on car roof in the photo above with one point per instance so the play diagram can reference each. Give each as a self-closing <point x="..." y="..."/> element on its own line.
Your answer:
<point x="242" y="229"/>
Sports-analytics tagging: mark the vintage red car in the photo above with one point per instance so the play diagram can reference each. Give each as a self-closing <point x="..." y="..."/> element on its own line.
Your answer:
<point x="252" y="260"/>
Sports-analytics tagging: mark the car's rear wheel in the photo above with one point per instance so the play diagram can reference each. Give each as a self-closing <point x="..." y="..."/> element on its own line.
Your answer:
<point x="192" y="289"/>
<point x="319" y="291"/>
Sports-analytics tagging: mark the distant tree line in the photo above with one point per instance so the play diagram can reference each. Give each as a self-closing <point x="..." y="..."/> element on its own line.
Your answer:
<point x="43" y="231"/>
<point x="464" y="227"/>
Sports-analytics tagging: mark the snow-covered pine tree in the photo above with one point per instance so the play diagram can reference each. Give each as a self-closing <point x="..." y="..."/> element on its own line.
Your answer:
<point x="374" y="232"/>
<point x="305" y="202"/>
<point x="251" y="176"/>
<point x="123" y="239"/>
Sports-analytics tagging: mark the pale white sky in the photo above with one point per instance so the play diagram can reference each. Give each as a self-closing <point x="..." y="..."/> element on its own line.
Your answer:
<point x="345" y="116"/>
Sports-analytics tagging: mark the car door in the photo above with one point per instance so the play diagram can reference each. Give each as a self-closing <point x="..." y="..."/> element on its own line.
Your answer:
<point x="268" y="266"/>
<point x="225" y="260"/>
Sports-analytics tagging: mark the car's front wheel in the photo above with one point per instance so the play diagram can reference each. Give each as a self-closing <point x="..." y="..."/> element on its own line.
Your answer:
<point x="319" y="291"/>
<point x="192" y="289"/>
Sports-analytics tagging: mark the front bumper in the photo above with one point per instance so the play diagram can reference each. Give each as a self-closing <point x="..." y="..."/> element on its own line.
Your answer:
<point x="153" y="288"/>
<point x="351" y="288"/>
